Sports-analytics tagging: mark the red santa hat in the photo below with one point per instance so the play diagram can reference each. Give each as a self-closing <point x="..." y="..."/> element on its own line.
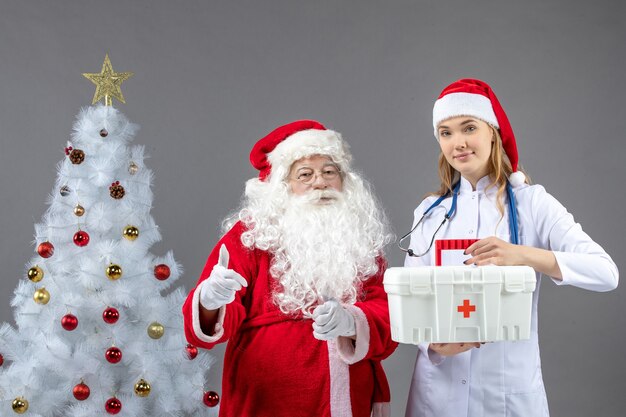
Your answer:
<point x="470" y="97"/>
<point x="293" y="141"/>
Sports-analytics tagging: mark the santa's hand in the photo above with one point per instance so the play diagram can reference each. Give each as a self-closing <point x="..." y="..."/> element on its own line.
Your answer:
<point x="331" y="320"/>
<point x="220" y="288"/>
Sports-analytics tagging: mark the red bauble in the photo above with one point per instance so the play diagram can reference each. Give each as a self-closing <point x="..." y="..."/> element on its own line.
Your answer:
<point x="110" y="315"/>
<point x="162" y="272"/>
<point x="192" y="351"/>
<point x="45" y="249"/>
<point x="1" y="360"/>
<point x="81" y="238"/>
<point x="113" y="406"/>
<point x="69" y="322"/>
<point x="113" y="354"/>
<point x="211" y="398"/>
<point x="81" y="391"/>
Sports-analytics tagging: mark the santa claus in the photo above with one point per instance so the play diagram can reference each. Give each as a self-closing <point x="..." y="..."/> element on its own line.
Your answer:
<point x="295" y="286"/>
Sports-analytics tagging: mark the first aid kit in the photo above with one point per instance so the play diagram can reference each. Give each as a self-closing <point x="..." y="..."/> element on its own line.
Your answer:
<point x="446" y="304"/>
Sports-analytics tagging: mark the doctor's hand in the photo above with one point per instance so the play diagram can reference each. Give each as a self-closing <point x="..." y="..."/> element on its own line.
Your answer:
<point x="495" y="251"/>
<point x="331" y="320"/>
<point x="220" y="288"/>
<point x="450" y="349"/>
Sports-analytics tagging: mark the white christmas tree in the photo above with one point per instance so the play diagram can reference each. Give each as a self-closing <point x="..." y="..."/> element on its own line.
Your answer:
<point x="99" y="328"/>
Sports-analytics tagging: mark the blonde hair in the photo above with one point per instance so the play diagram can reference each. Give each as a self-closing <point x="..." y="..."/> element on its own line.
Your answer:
<point x="499" y="171"/>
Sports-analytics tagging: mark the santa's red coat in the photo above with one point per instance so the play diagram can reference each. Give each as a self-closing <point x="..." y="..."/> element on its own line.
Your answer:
<point x="274" y="367"/>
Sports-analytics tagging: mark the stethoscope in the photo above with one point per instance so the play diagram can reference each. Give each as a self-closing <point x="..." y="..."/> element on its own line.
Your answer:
<point x="513" y="227"/>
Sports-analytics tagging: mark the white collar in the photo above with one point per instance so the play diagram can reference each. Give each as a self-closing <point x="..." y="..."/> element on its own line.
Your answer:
<point x="481" y="185"/>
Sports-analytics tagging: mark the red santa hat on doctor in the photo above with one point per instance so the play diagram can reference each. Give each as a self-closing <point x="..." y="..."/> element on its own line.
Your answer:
<point x="296" y="140"/>
<point x="470" y="97"/>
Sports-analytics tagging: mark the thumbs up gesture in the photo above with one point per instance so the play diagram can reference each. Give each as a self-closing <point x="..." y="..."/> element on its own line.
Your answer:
<point x="220" y="288"/>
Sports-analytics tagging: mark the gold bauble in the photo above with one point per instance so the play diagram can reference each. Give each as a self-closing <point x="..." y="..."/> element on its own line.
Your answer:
<point x="35" y="274"/>
<point x="20" y="405"/>
<point x="130" y="232"/>
<point x="79" y="210"/>
<point x="114" y="272"/>
<point x="41" y="296"/>
<point x="133" y="168"/>
<point x="142" y="388"/>
<point x="156" y="330"/>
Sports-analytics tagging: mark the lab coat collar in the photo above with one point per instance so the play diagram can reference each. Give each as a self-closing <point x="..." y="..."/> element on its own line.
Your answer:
<point x="481" y="185"/>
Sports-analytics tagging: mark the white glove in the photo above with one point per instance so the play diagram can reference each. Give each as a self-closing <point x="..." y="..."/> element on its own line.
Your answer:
<point x="220" y="288"/>
<point x="331" y="320"/>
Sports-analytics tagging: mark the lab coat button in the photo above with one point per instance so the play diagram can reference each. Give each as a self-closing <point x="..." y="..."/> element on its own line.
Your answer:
<point x="463" y="382"/>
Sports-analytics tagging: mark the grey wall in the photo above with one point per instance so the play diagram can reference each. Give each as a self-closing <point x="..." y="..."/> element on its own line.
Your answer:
<point x="212" y="77"/>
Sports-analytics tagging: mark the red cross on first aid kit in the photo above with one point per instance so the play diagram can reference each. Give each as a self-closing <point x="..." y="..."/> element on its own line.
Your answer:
<point x="451" y="302"/>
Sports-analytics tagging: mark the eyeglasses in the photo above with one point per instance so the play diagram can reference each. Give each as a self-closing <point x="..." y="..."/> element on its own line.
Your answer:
<point x="307" y="175"/>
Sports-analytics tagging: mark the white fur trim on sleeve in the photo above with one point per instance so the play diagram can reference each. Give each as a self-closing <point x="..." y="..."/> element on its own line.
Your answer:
<point x="195" y="316"/>
<point x="352" y="351"/>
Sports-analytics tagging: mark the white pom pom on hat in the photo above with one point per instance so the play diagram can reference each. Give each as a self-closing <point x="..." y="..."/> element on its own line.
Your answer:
<point x="471" y="97"/>
<point x="517" y="178"/>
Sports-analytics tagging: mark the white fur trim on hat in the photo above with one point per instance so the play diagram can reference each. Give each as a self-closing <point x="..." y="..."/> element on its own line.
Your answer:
<point x="463" y="104"/>
<point x="307" y="143"/>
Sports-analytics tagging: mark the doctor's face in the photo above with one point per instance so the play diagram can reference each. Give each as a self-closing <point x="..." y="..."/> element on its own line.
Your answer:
<point x="466" y="144"/>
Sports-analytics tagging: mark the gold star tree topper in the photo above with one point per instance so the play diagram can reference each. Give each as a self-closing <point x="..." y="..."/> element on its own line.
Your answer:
<point x="108" y="83"/>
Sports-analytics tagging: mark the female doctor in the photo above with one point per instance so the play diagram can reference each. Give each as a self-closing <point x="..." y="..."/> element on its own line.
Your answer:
<point x="484" y="196"/>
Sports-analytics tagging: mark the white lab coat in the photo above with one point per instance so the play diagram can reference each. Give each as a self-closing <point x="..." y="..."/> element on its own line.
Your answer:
<point x="500" y="378"/>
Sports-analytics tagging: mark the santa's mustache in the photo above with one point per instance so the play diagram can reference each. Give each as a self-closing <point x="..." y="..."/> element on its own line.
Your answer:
<point x="317" y="196"/>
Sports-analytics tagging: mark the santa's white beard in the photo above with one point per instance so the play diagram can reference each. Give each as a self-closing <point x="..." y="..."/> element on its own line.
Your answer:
<point x="325" y="250"/>
<point x="321" y="249"/>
